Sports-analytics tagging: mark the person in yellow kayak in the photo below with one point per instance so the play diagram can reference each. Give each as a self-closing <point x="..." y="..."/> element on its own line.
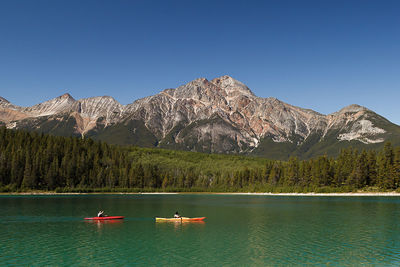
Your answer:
<point x="177" y="215"/>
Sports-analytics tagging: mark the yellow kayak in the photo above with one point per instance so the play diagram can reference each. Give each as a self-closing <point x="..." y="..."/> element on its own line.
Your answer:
<point x="182" y="219"/>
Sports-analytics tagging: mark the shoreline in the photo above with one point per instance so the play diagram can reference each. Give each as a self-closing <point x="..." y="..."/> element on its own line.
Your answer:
<point x="396" y="194"/>
<point x="319" y="194"/>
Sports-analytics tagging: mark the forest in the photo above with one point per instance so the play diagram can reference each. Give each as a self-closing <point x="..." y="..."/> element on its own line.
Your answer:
<point x="31" y="161"/>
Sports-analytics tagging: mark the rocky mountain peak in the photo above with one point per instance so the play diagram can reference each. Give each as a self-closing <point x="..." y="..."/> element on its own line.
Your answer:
<point x="99" y="106"/>
<point x="59" y="104"/>
<point x="199" y="82"/>
<point x="3" y="101"/>
<point x="354" y="108"/>
<point x="274" y="100"/>
<point x="67" y="96"/>
<point x="199" y="89"/>
<point x="99" y="99"/>
<point x="223" y="89"/>
<point x="232" y="86"/>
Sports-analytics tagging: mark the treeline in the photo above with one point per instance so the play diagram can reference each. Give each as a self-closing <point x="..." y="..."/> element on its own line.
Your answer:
<point x="32" y="161"/>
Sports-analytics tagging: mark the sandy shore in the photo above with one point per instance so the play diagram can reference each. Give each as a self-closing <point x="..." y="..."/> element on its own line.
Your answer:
<point x="395" y="194"/>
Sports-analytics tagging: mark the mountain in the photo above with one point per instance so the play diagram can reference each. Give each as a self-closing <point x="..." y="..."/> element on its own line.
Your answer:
<point x="218" y="116"/>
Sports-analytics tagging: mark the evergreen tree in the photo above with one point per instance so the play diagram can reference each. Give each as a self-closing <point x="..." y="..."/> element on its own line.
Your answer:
<point x="386" y="176"/>
<point x="292" y="174"/>
<point x="165" y="182"/>
<point x="359" y="175"/>
<point x="275" y="174"/>
<point x="371" y="166"/>
<point x="396" y="167"/>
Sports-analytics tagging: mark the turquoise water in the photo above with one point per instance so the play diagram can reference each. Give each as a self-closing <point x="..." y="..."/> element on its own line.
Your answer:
<point x="240" y="230"/>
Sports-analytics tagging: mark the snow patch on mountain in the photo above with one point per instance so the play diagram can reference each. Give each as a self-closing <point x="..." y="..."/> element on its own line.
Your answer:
<point x="11" y="125"/>
<point x="359" y="132"/>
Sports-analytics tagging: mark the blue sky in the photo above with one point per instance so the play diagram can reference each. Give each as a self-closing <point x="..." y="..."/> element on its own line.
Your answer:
<point x="321" y="54"/>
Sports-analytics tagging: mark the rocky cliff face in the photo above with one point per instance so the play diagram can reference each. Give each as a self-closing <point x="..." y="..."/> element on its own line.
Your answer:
<point x="221" y="115"/>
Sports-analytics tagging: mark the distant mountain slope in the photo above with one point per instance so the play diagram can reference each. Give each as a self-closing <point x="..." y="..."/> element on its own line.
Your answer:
<point x="217" y="116"/>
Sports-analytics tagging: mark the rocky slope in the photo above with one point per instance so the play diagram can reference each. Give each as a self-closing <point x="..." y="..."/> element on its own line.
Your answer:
<point x="221" y="115"/>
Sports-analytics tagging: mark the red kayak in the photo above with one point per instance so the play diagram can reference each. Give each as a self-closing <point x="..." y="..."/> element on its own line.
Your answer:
<point x="105" y="218"/>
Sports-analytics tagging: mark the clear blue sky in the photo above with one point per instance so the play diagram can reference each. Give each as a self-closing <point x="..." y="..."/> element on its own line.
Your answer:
<point x="320" y="54"/>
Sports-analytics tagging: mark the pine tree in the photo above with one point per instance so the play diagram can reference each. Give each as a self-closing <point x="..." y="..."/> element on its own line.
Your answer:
<point x="165" y="182"/>
<point x="139" y="176"/>
<point x="385" y="168"/>
<point x="396" y="167"/>
<point x="275" y="174"/>
<point x="4" y="176"/>
<point x="29" y="180"/>
<point x="292" y="174"/>
<point x="371" y="166"/>
<point x="359" y="175"/>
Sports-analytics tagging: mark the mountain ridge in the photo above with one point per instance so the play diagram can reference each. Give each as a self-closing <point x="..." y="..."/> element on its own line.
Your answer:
<point x="221" y="115"/>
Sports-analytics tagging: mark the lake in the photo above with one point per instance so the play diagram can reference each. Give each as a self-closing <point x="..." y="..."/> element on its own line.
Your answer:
<point x="240" y="230"/>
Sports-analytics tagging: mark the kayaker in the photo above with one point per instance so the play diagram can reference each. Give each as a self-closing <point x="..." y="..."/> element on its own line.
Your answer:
<point x="100" y="213"/>
<point x="177" y="215"/>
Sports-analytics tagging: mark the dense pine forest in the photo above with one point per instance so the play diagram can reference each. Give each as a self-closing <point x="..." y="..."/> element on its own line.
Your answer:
<point x="30" y="161"/>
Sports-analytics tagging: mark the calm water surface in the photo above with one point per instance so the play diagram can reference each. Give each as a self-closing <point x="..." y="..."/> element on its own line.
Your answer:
<point x="239" y="230"/>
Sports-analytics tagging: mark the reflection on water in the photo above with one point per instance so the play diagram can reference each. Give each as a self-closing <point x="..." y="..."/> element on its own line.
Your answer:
<point x="101" y="223"/>
<point x="179" y="224"/>
<point x="240" y="230"/>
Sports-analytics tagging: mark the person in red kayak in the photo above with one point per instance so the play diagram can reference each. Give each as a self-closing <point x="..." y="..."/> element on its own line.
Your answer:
<point x="101" y="214"/>
<point x="177" y="215"/>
